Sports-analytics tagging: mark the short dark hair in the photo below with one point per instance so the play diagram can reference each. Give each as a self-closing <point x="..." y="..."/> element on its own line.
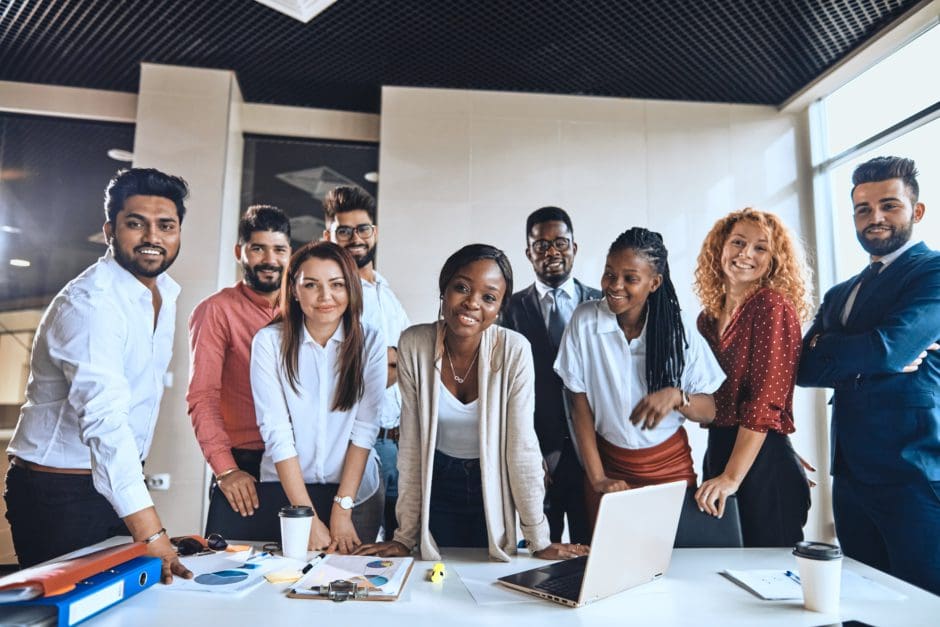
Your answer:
<point x="143" y="182"/>
<point x="887" y="168"/>
<point x="262" y="218"/>
<point x="547" y="214"/>
<point x="476" y="252"/>
<point x="347" y="198"/>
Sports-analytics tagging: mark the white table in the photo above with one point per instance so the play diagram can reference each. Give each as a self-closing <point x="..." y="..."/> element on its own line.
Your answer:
<point x="691" y="593"/>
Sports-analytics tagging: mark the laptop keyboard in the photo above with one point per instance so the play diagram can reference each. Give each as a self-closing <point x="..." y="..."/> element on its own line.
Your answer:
<point x="566" y="586"/>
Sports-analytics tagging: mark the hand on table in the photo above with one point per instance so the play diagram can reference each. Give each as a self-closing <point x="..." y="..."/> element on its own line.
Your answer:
<point x="383" y="549"/>
<point x="162" y="548"/>
<point x="712" y="494"/>
<point x="560" y="551"/>
<point x="345" y="538"/>
<point x="320" y="537"/>
<point x="239" y="489"/>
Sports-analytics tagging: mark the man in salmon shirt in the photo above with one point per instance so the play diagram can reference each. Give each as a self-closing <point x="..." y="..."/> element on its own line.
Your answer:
<point x="220" y="332"/>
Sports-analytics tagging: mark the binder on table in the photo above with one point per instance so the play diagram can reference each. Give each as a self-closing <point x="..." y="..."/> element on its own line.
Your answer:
<point x="61" y="576"/>
<point x="99" y="592"/>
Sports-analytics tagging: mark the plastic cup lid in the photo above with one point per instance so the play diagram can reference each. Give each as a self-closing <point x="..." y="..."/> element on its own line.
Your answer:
<point x="817" y="551"/>
<point x="296" y="511"/>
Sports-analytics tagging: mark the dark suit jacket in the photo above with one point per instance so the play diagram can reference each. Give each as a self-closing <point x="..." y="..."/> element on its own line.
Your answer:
<point x="885" y="423"/>
<point x="525" y="316"/>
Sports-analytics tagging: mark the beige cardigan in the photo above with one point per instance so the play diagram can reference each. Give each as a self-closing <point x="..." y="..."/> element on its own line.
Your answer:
<point x="510" y="460"/>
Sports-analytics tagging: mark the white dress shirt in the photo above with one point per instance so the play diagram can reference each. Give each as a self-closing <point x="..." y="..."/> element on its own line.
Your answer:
<point x="382" y="309"/>
<point x="595" y="358"/>
<point x="303" y="423"/>
<point x="96" y="380"/>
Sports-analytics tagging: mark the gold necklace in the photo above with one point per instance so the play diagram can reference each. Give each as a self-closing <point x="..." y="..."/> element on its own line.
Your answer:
<point x="460" y="380"/>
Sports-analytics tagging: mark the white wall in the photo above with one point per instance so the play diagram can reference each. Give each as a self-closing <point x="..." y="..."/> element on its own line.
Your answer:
<point x="464" y="166"/>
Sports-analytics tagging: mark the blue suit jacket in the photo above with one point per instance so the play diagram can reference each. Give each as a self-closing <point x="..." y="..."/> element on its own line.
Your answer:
<point x="885" y="423"/>
<point x="524" y="315"/>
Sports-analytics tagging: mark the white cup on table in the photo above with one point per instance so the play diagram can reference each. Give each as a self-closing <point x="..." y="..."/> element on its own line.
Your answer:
<point x="820" y="567"/>
<point x="295" y="530"/>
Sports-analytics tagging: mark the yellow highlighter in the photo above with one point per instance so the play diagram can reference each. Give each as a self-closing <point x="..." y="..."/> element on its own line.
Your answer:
<point x="436" y="574"/>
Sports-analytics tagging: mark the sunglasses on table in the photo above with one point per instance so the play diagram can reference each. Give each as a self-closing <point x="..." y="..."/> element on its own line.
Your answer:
<point x="193" y="545"/>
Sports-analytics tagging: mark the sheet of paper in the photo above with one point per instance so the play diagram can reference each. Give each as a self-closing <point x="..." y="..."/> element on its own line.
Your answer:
<point x="775" y="585"/>
<point x="229" y="573"/>
<point x="386" y="575"/>
<point x="480" y="581"/>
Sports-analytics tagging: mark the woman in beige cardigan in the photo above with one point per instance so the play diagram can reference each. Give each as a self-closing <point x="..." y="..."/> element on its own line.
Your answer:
<point x="468" y="457"/>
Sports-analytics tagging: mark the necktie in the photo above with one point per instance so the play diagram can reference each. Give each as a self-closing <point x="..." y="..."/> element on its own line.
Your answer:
<point x="865" y="283"/>
<point x="556" y="324"/>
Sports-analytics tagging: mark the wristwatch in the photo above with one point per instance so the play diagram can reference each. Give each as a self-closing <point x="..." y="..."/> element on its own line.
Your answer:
<point x="345" y="502"/>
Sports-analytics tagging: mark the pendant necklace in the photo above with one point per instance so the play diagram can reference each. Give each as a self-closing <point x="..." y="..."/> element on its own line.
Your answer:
<point x="460" y="380"/>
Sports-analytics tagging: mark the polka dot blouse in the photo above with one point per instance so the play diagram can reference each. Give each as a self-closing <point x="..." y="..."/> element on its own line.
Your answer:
<point x="759" y="352"/>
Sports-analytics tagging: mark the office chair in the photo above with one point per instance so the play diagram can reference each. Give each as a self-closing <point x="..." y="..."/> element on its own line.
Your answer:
<point x="700" y="530"/>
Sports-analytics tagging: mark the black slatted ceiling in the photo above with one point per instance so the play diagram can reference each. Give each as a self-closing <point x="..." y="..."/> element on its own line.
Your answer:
<point x="748" y="51"/>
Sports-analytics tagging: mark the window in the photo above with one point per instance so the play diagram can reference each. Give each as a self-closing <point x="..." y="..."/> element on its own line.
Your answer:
<point x="891" y="109"/>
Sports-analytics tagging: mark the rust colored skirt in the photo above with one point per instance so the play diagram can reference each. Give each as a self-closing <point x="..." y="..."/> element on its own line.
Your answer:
<point x="668" y="461"/>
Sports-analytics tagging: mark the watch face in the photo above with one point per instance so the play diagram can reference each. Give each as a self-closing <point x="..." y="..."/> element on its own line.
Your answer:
<point x="345" y="502"/>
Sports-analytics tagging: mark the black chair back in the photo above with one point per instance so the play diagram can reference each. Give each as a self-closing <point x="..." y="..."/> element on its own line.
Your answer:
<point x="700" y="530"/>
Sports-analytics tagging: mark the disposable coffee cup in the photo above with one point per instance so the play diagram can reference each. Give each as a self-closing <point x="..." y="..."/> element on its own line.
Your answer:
<point x="820" y="567"/>
<point x="295" y="530"/>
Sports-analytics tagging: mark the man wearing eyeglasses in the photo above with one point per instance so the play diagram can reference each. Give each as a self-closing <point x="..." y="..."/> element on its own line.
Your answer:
<point x="350" y="223"/>
<point x="541" y="312"/>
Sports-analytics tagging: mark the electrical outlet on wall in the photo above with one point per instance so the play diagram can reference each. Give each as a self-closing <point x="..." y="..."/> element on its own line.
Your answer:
<point x="158" y="481"/>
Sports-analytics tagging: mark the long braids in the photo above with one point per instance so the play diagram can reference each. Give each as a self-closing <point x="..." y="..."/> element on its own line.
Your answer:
<point x="665" y="334"/>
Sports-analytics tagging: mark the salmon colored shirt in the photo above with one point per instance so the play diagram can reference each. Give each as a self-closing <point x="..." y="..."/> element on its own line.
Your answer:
<point x="220" y="402"/>
<point x="759" y="352"/>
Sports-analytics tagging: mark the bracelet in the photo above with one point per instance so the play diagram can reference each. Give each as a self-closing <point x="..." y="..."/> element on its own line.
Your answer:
<point x="225" y="474"/>
<point x="686" y="399"/>
<point x="155" y="536"/>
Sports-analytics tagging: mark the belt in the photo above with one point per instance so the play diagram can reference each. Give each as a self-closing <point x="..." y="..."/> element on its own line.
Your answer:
<point x="22" y="463"/>
<point x="389" y="434"/>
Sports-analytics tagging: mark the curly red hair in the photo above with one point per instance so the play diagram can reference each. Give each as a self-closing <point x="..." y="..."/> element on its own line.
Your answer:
<point x="789" y="273"/>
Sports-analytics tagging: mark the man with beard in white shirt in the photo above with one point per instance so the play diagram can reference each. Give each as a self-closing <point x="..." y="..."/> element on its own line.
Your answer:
<point x="96" y="379"/>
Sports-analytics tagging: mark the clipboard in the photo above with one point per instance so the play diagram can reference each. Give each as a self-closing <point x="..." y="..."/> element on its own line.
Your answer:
<point x="360" y="569"/>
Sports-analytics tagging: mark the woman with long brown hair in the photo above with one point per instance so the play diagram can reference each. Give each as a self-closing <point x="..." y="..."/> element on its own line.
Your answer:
<point x="318" y="378"/>
<point x="751" y="281"/>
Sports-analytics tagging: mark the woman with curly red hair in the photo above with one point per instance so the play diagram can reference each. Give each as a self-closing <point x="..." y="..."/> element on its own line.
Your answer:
<point x="751" y="281"/>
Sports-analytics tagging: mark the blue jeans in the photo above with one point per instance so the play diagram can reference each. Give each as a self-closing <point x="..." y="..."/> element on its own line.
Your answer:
<point x="52" y="513"/>
<point x="456" y="516"/>
<point x="387" y="450"/>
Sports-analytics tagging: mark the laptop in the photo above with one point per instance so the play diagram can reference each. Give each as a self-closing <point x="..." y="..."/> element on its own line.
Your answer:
<point x="632" y="545"/>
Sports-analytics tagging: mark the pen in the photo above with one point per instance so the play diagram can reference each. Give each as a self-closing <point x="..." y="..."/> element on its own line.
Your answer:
<point x="312" y="563"/>
<point x="792" y="575"/>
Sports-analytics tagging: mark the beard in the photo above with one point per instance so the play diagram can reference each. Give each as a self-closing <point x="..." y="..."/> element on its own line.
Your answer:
<point x="366" y="259"/>
<point x="131" y="265"/>
<point x="881" y="247"/>
<point x="256" y="283"/>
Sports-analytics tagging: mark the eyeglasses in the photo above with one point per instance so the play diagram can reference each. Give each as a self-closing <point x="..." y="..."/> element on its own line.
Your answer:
<point x="191" y="545"/>
<point x="541" y="246"/>
<point x="344" y="233"/>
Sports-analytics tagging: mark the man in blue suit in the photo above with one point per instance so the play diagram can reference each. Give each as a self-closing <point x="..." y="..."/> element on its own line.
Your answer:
<point x="541" y="312"/>
<point x="868" y="343"/>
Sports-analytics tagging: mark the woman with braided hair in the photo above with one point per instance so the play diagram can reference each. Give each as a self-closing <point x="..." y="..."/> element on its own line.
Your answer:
<point x="634" y="374"/>
<point x="752" y="281"/>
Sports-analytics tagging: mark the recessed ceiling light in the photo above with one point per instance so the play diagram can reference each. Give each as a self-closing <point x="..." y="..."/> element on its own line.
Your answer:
<point x="20" y="263"/>
<point x="372" y="177"/>
<point x="121" y="155"/>
<point x="6" y="228"/>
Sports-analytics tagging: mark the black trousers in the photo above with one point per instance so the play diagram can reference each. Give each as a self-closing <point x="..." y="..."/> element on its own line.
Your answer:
<point x="773" y="499"/>
<point x="565" y="495"/>
<point x="248" y="460"/>
<point x="51" y="514"/>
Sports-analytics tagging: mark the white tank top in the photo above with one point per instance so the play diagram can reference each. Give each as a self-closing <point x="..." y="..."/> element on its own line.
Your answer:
<point x="458" y="425"/>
